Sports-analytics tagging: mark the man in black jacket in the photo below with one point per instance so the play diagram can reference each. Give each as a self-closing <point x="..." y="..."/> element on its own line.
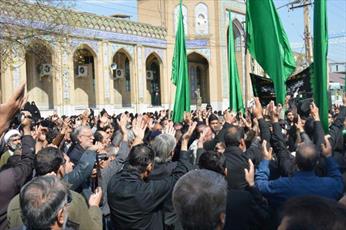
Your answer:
<point x="133" y="201"/>
<point x="246" y="209"/>
<point x="12" y="179"/>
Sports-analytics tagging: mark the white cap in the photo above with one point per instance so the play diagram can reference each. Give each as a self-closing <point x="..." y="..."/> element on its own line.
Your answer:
<point x="10" y="133"/>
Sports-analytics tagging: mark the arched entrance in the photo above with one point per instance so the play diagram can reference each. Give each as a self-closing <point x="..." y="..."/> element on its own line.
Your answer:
<point x="153" y="73"/>
<point x="122" y="78"/>
<point x="40" y="75"/>
<point x="199" y="78"/>
<point x="84" y="76"/>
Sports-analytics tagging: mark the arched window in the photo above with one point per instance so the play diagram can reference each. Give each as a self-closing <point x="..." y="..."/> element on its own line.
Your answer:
<point x="176" y="16"/>
<point x="201" y="19"/>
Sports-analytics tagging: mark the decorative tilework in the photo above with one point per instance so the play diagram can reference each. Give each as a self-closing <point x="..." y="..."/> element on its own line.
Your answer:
<point x="148" y="51"/>
<point x="66" y="84"/>
<point x="52" y="15"/>
<point x="106" y="73"/>
<point x="204" y="52"/>
<point x="196" y="43"/>
<point x="128" y="48"/>
<point x="16" y="77"/>
<point x="143" y="39"/>
<point x="140" y="74"/>
<point x="92" y="43"/>
<point x="65" y="75"/>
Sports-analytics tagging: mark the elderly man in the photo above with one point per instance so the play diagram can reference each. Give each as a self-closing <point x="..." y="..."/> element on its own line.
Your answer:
<point x="83" y="139"/>
<point x="45" y="201"/>
<point x="13" y="142"/>
<point x="199" y="199"/>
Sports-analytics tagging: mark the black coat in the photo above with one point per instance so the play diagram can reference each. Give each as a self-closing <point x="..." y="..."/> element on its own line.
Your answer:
<point x="237" y="161"/>
<point x="246" y="210"/>
<point x="12" y="179"/>
<point x="160" y="172"/>
<point x="134" y="203"/>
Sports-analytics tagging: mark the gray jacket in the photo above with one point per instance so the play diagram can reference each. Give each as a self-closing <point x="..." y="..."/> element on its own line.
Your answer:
<point x="82" y="171"/>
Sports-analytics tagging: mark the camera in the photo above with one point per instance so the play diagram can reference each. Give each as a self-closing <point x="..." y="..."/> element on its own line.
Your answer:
<point x="101" y="157"/>
<point x="303" y="107"/>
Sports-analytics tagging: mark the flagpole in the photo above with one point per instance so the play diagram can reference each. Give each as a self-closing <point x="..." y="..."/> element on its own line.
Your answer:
<point x="246" y="68"/>
<point x="170" y="101"/>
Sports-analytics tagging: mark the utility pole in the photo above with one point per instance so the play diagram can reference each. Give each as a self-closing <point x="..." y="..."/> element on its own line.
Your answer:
<point x="307" y="33"/>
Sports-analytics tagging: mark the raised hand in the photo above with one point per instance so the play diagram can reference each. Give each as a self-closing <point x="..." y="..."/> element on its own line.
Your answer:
<point x="299" y="125"/>
<point x="230" y="117"/>
<point x="257" y="109"/>
<point x="250" y="174"/>
<point x="85" y="117"/>
<point x="189" y="132"/>
<point x="267" y="153"/>
<point x="186" y="137"/>
<point x="326" y="147"/>
<point x="274" y="111"/>
<point x="151" y="124"/>
<point x="247" y="123"/>
<point x="314" y="112"/>
<point x="188" y="118"/>
<point x="95" y="198"/>
<point x="169" y="129"/>
<point x="138" y="127"/>
<point x="11" y="107"/>
<point x="40" y="133"/>
<point x="122" y="122"/>
<point x="205" y="135"/>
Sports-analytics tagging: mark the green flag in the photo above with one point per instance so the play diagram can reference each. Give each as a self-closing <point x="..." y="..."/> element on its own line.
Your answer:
<point x="235" y="95"/>
<point x="180" y="76"/>
<point x="319" y="77"/>
<point x="268" y="43"/>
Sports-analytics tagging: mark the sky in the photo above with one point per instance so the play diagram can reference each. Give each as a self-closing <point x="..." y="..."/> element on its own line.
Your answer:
<point x="293" y="20"/>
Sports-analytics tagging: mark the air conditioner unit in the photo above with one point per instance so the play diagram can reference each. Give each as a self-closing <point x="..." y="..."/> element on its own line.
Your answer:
<point x="82" y="71"/>
<point x="118" y="74"/>
<point x="150" y="75"/>
<point x="45" y="70"/>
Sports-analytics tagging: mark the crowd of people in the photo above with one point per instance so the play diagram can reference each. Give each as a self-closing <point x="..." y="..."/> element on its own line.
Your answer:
<point x="271" y="167"/>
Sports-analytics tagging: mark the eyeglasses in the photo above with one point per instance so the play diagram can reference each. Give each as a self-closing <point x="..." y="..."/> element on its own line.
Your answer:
<point x="68" y="200"/>
<point x="69" y="197"/>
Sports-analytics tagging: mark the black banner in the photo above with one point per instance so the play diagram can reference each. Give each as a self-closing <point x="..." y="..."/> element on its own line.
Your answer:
<point x="297" y="85"/>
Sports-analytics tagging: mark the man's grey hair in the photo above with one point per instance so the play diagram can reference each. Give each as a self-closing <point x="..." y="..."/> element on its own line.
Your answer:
<point x="199" y="198"/>
<point x="40" y="201"/>
<point x="163" y="146"/>
<point x="77" y="131"/>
